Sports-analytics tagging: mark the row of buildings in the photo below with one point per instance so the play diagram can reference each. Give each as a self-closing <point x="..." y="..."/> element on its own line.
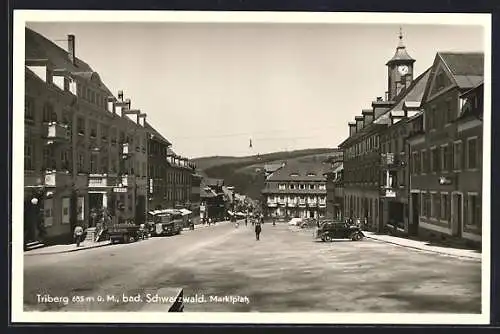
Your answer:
<point x="89" y="152"/>
<point x="413" y="161"/>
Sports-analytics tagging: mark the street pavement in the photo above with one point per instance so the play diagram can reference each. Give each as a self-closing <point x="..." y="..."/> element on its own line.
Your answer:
<point x="223" y="268"/>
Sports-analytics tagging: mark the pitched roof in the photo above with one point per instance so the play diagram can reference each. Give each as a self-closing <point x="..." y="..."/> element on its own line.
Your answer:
<point x="155" y="133"/>
<point x="401" y="53"/>
<point x="303" y="171"/>
<point x="39" y="47"/>
<point x="414" y="93"/>
<point x="467" y="68"/>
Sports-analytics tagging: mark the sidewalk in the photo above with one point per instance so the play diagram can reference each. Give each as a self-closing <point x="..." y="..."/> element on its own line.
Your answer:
<point x="424" y="246"/>
<point x="56" y="249"/>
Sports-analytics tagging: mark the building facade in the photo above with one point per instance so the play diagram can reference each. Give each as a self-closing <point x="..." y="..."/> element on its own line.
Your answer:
<point x="446" y="175"/>
<point x="85" y="150"/>
<point x="335" y="192"/>
<point x="296" y="190"/>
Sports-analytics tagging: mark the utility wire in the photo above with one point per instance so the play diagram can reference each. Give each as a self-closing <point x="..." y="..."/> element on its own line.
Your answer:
<point x="251" y="133"/>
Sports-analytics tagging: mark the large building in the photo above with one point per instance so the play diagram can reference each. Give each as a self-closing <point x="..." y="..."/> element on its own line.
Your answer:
<point x="406" y="160"/>
<point x="85" y="150"/>
<point x="446" y="177"/>
<point x="298" y="189"/>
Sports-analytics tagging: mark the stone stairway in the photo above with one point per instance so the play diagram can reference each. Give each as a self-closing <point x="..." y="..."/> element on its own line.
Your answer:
<point x="33" y="245"/>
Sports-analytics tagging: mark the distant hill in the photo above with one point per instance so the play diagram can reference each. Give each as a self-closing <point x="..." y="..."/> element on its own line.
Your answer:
<point x="246" y="174"/>
<point x="205" y="163"/>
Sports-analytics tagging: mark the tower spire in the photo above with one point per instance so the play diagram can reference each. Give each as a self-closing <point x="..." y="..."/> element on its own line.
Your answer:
<point x="401" y="45"/>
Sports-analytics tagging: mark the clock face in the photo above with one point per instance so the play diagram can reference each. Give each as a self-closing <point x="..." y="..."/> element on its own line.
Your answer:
<point x="403" y="69"/>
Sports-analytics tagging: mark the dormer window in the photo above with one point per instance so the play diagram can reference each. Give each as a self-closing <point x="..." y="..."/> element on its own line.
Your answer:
<point x="311" y="174"/>
<point x="281" y="186"/>
<point x="302" y="186"/>
<point x="294" y="174"/>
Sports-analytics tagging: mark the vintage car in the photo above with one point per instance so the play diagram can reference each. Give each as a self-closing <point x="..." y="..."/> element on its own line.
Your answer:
<point x="124" y="233"/>
<point x="330" y="230"/>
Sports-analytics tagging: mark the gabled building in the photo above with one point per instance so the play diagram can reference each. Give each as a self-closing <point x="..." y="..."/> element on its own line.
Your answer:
<point x="85" y="150"/>
<point x="446" y="176"/>
<point x="298" y="189"/>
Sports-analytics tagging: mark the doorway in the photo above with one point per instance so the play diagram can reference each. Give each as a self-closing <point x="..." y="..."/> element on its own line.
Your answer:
<point x="457" y="219"/>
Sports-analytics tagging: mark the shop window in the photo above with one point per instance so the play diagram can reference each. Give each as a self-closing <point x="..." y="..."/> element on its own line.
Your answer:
<point x="473" y="208"/>
<point x="445" y="207"/>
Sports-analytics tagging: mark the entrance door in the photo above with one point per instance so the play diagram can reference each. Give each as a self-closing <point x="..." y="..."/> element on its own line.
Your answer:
<point x="311" y="214"/>
<point x="415" y="214"/>
<point x="457" y="215"/>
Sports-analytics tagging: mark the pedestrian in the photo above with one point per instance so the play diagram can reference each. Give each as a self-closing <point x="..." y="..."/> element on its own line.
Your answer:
<point x="209" y="221"/>
<point x="77" y="234"/>
<point x="258" y="229"/>
<point x="246" y="221"/>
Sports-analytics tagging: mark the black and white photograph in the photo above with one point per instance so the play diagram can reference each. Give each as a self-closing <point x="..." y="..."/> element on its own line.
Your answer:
<point x="251" y="167"/>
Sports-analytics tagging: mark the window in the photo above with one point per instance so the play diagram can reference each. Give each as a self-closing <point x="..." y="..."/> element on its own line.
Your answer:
<point x="435" y="160"/>
<point x="49" y="115"/>
<point x="311" y="186"/>
<point x="29" y="108"/>
<point x="302" y="186"/>
<point x="445" y="207"/>
<point x="93" y="129"/>
<point x="104" y="132"/>
<point x="473" y="208"/>
<point x="445" y="158"/>
<point x="472" y="153"/>
<point x="436" y="206"/>
<point x="457" y="155"/>
<point x="322" y="186"/>
<point x="81" y="162"/>
<point x="80" y="125"/>
<point x="28" y="154"/>
<point x="425" y="161"/>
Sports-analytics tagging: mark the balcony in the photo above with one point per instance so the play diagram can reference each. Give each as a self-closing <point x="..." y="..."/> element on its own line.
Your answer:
<point x="312" y="204"/>
<point x="55" y="179"/>
<point x="392" y="161"/>
<point x="302" y="204"/>
<point x="126" y="150"/>
<point x="292" y="204"/>
<point x="98" y="181"/>
<point x="322" y="204"/>
<point x="272" y="204"/>
<point x="57" y="133"/>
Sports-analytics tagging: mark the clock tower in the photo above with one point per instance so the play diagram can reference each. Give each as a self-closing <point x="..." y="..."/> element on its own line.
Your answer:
<point x="400" y="70"/>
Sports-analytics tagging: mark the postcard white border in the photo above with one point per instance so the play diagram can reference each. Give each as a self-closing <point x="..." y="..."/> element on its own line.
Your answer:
<point x="22" y="16"/>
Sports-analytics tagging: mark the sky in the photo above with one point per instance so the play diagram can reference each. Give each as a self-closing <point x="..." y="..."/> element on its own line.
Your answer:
<point x="211" y="88"/>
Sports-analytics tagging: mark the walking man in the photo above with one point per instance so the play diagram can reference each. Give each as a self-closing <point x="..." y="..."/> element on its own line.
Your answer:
<point x="258" y="229"/>
<point x="78" y="235"/>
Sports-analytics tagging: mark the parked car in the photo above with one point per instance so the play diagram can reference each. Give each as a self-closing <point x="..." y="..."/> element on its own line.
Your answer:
<point x="330" y="230"/>
<point x="309" y="223"/>
<point x="295" y="222"/>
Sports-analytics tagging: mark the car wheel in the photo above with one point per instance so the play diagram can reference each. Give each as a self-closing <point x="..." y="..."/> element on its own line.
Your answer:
<point x="126" y="239"/>
<point x="356" y="237"/>
<point x="328" y="238"/>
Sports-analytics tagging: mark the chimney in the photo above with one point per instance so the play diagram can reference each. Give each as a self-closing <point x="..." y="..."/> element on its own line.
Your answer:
<point x="352" y="129"/>
<point x="128" y="103"/>
<point x="367" y="116"/>
<point x="387" y="96"/>
<point x="141" y="119"/>
<point x="120" y="95"/>
<point x="111" y="104"/>
<point x="379" y="99"/>
<point x="71" y="48"/>
<point x="359" y="123"/>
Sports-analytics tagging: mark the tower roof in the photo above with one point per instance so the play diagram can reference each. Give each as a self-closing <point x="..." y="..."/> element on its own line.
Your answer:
<point x="401" y="54"/>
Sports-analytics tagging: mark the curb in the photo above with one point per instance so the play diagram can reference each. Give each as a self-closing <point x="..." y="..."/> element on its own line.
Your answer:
<point x="426" y="250"/>
<point x="66" y="251"/>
